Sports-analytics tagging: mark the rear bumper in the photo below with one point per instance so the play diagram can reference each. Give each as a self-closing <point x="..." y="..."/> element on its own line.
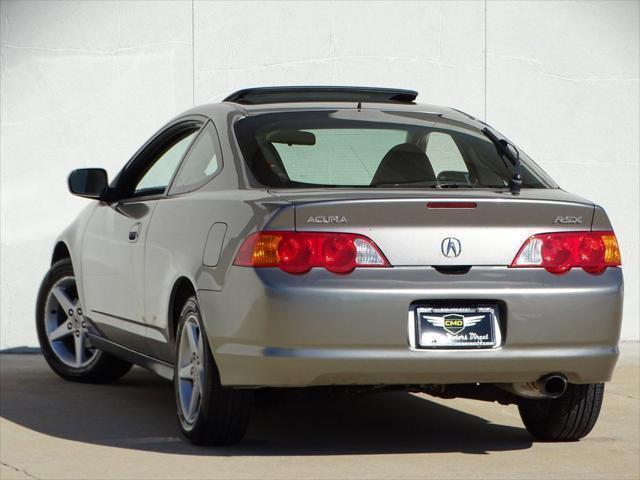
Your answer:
<point x="269" y="328"/>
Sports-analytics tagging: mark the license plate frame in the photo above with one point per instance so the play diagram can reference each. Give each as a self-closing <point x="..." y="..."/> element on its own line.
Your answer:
<point x="457" y="327"/>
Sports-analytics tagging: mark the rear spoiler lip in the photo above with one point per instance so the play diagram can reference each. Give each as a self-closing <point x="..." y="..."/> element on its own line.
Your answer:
<point x="321" y="93"/>
<point x="364" y="198"/>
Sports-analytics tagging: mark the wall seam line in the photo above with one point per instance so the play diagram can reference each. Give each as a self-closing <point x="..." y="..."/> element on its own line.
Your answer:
<point x="485" y="60"/>
<point x="193" y="56"/>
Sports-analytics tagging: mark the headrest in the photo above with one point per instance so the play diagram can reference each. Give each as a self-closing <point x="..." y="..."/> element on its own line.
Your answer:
<point x="404" y="163"/>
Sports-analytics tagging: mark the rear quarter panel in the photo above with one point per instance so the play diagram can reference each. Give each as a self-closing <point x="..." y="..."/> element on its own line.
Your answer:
<point x="176" y="242"/>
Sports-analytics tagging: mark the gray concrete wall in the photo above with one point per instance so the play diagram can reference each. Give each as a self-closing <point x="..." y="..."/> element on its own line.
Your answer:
<point x="85" y="83"/>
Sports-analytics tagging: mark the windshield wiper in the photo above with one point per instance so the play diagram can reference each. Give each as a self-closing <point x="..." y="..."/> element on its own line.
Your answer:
<point x="431" y="184"/>
<point x="515" y="183"/>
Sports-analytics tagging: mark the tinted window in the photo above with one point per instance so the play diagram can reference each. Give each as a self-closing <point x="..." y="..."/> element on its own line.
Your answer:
<point x="444" y="155"/>
<point x="202" y="162"/>
<point x="339" y="156"/>
<point x="369" y="148"/>
<point x="158" y="176"/>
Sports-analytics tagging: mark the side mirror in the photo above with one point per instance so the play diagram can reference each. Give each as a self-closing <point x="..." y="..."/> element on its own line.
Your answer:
<point x="88" y="182"/>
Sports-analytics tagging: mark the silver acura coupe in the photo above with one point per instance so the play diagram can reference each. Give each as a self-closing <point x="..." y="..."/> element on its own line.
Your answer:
<point x="342" y="238"/>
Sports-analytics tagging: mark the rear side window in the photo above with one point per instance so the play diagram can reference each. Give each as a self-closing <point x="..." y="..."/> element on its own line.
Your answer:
<point x="202" y="163"/>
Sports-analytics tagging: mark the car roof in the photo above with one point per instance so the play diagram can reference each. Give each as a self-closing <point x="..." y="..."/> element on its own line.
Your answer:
<point x="260" y="100"/>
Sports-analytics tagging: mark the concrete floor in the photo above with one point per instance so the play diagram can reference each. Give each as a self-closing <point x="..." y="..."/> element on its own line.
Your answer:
<point x="53" y="429"/>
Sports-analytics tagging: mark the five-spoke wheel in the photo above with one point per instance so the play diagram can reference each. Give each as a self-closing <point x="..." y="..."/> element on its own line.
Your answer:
<point x="190" y="369"/>
<point x="65" y="325"/>
<point x="208" y="413"/>
<point x="63" y="331"/>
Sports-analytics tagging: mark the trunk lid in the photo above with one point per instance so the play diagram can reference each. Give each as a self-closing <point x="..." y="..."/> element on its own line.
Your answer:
<point x="411" y="234"/>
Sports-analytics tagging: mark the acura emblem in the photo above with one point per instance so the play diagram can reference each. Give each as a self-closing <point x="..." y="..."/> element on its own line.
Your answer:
<point x="450" y="247"/>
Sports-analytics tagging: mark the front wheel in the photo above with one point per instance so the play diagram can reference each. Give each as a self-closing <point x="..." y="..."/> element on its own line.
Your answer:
<point x="564" y="419"/>
<point x="62" y="331"/>
<point x="208" y="413"/>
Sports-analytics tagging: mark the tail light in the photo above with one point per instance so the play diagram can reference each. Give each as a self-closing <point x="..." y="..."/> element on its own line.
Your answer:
<point x="559" y="252"/>
<point x="298" y="252"/>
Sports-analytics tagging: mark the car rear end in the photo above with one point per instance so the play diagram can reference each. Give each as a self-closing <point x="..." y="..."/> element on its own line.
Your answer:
<point x="379" y="272"/>
<point x="385" y="323"/>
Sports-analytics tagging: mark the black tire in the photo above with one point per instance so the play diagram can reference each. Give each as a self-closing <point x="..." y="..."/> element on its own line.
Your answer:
<point x="223" y="414"/>
<point x="102" y="368"/>
<point x="564" y="419"/>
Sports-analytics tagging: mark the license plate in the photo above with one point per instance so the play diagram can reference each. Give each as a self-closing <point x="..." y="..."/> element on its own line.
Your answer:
<point x="457" y="327"/>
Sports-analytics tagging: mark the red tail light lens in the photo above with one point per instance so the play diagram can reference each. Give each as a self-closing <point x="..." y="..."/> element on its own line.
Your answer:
<point x="294" y="253"/>
<point x="560" y="252"/>
<point x="339" y="254"/>
<point x="298" y="252"/>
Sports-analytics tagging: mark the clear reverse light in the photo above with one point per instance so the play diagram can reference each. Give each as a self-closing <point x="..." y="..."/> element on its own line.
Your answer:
<point x="367" y="254"/>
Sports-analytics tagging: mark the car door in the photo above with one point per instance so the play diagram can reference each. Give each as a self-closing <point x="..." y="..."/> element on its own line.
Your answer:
<point x="114" y="240"/>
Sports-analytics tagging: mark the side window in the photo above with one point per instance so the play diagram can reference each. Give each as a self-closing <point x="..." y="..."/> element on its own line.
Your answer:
<point x="158" y="176"/>
<point x="445" y="158"/>
<point x="203" y="162"/>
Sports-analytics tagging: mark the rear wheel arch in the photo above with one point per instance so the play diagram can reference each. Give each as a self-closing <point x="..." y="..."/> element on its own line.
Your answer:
<point x="182" y="290"/>
<point x="60" y="252"/>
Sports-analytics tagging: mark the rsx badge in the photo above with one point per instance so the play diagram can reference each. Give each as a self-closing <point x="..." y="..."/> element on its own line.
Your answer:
<point x="567" y="220"/>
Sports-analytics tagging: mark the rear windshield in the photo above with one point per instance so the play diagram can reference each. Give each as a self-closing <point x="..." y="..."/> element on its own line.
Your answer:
<point x="374" y="149"/>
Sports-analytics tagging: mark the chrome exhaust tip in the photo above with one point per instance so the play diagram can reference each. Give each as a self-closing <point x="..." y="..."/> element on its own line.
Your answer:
<point x="549" y="386"/>
<point x="553" y="385"/>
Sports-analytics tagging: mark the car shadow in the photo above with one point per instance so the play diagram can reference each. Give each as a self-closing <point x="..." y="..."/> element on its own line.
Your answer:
<point x="138" y="412"/>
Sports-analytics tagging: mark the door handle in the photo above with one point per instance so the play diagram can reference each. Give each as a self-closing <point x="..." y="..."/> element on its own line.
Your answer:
<point x="135" y="232"/>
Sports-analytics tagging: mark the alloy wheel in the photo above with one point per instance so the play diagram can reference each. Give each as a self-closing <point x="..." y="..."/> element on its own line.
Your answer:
<point x="66" y="327"/>
<point x="190" y="369"/>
